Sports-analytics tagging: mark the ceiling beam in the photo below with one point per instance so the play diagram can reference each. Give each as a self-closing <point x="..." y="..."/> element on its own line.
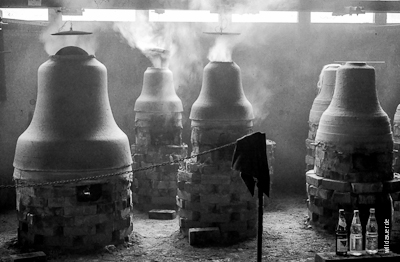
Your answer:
<point x="101" y="4"/>
<point x="269" y="5"/>
<point x="335" y="5"/>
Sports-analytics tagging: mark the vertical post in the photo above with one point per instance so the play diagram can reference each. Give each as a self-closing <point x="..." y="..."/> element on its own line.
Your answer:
<point x="380" y="18"/>
<point x="260" y="222"/>
<point x="304" y="19"/>
<point x="142" y="16"/>
<point x="3" y="93"/>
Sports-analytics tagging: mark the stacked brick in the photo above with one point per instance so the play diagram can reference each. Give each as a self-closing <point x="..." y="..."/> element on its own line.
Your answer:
<point x="396" y="138"/>
<point x="83" y="215"/>
<point x="158" y="140"/>
<point x="310" y="146"/>
<point x="215" y="196"/>
<point x="210" y="193"/>
<point x="271" y="146"/>
<point x="395" y="234"/>
<point x="326" y="196"/>
<point x="330" y="188"/>
<point x="396" y="153"/>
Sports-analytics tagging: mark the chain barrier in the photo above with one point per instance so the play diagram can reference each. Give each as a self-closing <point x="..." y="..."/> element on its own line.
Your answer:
<point x="67" y="181"/>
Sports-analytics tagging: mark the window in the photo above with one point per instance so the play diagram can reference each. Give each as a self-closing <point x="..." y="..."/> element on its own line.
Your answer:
<point x="182" y="16"/>
<point x="327" y="17"/>
<point x="266" y="17"/>
<point x="393" y="18"/>
<point x="28" y="14"/>
<point x="117" y="15"/>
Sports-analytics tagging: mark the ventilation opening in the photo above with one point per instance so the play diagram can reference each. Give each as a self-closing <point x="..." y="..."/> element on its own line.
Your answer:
<point x="88" y="193"/>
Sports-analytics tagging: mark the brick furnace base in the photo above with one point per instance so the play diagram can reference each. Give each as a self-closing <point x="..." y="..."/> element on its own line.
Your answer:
<point x="215" y="196"/>
<point x="82" y="215"/>
<point x="155" y="188"/>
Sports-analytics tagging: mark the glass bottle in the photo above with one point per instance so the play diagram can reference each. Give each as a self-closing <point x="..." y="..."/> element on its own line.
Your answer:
<point x="356" y="235"/>
<point x="371" y="235"/>
<point x="341" y="235"/>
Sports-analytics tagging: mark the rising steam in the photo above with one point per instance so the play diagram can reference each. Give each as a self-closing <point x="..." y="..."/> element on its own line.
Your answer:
<point x="222" y="49"/>
<point x="147" y="37"/>
<point x="183" y="41"/>
<point x="259" y="94"/>
<point x="166" y="45"/>
<point x="224" y="45"/>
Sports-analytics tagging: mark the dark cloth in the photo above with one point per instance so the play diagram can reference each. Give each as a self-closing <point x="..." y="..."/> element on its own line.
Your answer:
<point x="250" y="158"/>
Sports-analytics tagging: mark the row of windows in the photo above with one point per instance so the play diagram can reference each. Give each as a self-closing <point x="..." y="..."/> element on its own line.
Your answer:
<point x="192" y="16"/>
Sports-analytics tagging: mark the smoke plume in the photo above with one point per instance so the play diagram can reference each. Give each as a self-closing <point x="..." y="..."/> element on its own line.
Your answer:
<point x="246" y="36"/>
<point x="145" y="36"/>
<point x="224" y="45"/>
<point x="183" y="41"/>
<point x="173" y="45"/>
<point x="222" y="49"/>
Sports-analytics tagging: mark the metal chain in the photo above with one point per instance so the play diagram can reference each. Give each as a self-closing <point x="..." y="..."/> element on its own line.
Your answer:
<point x="176" y="161"/>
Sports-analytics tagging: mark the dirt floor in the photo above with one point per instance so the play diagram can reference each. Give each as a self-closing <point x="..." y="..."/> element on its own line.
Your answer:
<point x="287" y="237"/>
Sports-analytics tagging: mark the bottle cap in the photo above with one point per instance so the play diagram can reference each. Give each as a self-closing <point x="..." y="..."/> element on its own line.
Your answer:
<point x="372" y="210"/>
<point x="341" y="210"/>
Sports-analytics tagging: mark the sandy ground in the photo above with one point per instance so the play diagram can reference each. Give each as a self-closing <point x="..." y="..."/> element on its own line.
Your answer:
<point x="286" y="237"/>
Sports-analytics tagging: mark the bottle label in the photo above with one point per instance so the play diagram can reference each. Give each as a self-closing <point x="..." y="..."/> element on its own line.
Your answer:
<point x="371" y="242"/>
<point x="342" y="222"/>
<point x="341" y="244"/>
<point x="355" y="242"/>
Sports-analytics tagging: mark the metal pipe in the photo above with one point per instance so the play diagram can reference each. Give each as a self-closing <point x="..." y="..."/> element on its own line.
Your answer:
<point x="260" y="222"/>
